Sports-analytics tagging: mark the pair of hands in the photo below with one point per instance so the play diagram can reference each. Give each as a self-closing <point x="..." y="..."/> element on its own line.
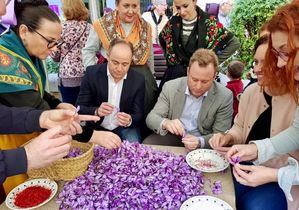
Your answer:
<point x="66" y="116"/>
<point x="247" y="175"/>
<point x="221" y="143"/>
<point x="55" y="143"/>
<point x="176" y="127"/>
<point x="106" y="139"/>
<point x="123" y="119"/>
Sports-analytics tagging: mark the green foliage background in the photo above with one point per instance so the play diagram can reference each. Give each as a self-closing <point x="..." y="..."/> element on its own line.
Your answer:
<point x="246" y="19"/>
<point x="51" y="66"/>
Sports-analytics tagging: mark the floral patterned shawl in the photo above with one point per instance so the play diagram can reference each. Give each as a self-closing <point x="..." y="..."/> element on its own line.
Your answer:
<point x="109" y="27"/>
<point x="18" y="72"/>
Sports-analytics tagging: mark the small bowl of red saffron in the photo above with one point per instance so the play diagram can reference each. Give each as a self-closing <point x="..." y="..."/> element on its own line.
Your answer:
<point x="31" y="194"/>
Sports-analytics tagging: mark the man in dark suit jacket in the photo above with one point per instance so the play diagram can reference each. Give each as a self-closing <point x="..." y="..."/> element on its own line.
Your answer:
<point x="115" y="93"/>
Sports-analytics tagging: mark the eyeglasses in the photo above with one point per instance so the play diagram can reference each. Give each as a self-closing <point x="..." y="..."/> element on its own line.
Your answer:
<point x="51" y="43"/>
<point x="257" y="63"/>
<point x="283" y="55"/>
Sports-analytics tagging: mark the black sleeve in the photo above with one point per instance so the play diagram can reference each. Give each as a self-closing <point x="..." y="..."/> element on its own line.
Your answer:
<point x="162" y="40"/>
<point x="86" y="135"/>
<point x="86" y="99"/>
<point x="12" y="162"/>
<point x="51" y="100"/>
<point x="138" y="104"/>
<point x="19" y="120"/>
<point x="26" y="98"/>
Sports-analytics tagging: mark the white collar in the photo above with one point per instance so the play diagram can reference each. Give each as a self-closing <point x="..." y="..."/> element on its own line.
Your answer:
<point x="187" y="92"/>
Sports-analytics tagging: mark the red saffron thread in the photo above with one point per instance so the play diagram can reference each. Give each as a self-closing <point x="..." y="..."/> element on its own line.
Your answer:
<point x="32" y="196"/>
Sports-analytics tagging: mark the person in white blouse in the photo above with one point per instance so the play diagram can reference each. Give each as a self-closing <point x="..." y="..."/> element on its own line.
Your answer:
<point x="224" y="12"/>
<point x="156" y="18"/>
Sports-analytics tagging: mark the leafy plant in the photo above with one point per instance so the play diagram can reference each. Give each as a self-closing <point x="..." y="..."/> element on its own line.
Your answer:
<point x="51" y="66"/>
<point x="246" y="19"/>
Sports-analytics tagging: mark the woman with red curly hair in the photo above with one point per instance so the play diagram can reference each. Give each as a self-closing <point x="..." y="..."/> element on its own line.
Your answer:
<point x="281" y="76"/>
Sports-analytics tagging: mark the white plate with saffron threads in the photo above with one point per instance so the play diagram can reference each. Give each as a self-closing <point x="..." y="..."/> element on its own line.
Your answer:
<point x="44" y="183"/>
<point x="205" y="202"/>
<point x="206" y="160"/>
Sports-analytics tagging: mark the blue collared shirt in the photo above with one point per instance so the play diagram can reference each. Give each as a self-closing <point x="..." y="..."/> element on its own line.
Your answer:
<point x="190" y="114"/>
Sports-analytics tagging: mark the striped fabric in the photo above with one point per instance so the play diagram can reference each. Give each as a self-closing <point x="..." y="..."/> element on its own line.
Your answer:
<point x="187" y="29"/>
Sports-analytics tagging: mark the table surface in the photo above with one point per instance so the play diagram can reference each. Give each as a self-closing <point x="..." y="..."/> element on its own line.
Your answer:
<point x="228" y="194"/>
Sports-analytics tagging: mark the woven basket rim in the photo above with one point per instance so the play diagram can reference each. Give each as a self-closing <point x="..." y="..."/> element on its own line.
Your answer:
<point x="79" y="156"/>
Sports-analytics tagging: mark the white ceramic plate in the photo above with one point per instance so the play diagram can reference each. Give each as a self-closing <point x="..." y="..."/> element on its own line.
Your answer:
<point x="206" y="160"/>
<point x="205" y="202"/>
<point x="47" y="183"/>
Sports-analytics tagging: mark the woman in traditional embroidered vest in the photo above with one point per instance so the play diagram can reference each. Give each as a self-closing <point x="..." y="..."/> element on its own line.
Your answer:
<point x="191" y="29"/>
<point x="124" y="22"/>
<point x="22" y="76"/>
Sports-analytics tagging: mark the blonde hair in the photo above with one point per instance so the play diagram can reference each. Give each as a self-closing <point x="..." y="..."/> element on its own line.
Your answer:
<point x="204" y="57"/>
<point x="74" y="10"/>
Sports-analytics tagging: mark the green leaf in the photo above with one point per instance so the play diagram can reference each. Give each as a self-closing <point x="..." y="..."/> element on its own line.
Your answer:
<point x="250" y="15"/>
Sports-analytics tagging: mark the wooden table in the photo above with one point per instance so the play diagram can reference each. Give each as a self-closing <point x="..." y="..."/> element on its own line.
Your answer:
<point x="228" y="194"/>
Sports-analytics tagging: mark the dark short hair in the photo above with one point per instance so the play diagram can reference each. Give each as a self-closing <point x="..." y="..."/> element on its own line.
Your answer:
<point x="235" y="69"/>
<point x="118" y="41"/>
<point x="31" y="13"/>
<point x="262" y="40"/>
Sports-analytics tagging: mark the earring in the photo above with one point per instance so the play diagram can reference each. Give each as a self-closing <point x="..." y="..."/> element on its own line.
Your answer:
<point x="24" y="42"/>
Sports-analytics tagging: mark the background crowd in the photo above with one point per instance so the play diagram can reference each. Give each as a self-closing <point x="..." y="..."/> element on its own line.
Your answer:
<point x="106" y="77"/>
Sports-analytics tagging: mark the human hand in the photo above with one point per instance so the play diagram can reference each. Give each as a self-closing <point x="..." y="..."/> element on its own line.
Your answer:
<point x="65" y="106"/>
<point x="244" y="152"/>
<point x="174" y="126"/>
<point x="47" y="148"/>
<point x="105" y="109"/>
<point x="222" y="150"/>
<point x="106" y="139"/>
<point x="254" y="175"/>
<point x="69" y="120"/>
<point x="190" y="142"/>
<point x="220" y="140"/>
<point x="124" y="119"/>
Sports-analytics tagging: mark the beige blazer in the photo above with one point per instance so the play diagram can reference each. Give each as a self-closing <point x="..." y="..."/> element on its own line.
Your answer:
<point x="215" y="114"/>
<point x="251" y="105"/>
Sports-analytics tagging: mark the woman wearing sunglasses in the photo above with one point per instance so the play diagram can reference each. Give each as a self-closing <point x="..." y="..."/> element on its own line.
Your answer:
<point x="281" y="70"/>
<point x="22" y="76"/>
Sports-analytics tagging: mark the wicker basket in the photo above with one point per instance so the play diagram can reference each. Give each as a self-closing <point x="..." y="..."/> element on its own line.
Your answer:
<point x="67" y="169"/>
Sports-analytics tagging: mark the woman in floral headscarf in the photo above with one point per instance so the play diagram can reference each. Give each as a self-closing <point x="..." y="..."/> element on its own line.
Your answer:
<point x="22" y="76"/>
<point x="191" y="29"/>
